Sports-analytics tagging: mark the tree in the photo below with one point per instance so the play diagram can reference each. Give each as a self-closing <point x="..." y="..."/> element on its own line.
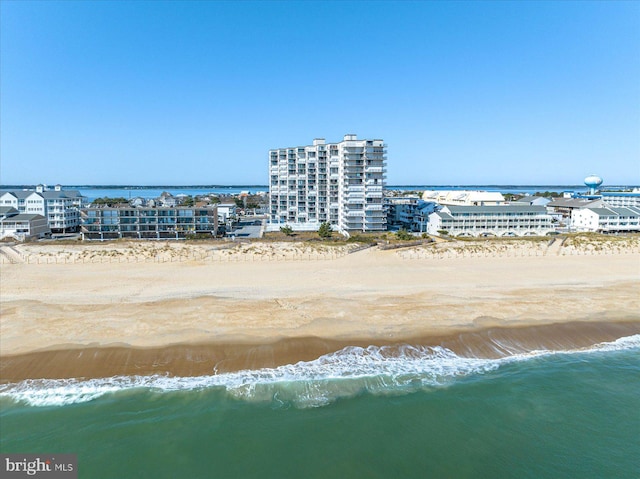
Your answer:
<point x="106" y="201"/>
<point x="546" y="194"/>
<point x="325" y="230"/>
<point x="286" y="229"/>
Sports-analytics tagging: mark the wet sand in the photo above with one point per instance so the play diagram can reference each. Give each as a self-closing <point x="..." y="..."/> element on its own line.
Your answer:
<point x="89" y="320"/>
<point x="205" y="359"/>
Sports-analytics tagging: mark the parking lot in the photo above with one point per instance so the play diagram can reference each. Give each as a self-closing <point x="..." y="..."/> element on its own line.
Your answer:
<point x="249" y="228"/>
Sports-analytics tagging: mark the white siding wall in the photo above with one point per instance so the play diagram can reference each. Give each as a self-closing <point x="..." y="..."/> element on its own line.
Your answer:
<point x="336" y="182"/>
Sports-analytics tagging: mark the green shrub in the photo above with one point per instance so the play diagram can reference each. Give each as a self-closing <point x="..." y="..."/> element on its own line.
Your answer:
<point x="286" y="230"/>
<point x="404" y="235"/>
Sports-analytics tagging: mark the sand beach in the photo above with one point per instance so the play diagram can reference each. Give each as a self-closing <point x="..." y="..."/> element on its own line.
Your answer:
<point x="133" y="308"/>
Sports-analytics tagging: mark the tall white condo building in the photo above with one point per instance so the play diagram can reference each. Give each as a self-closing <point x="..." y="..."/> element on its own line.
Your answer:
<point x="336" y="182"/>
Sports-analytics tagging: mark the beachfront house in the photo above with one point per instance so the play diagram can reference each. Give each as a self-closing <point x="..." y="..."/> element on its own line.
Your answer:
<point x="6" y="211"/>
<point x="22" y="226"/>
<point x="409" y="212"/>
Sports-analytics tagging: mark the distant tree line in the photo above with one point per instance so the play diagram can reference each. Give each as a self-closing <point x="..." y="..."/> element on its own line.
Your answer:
<point x="251" y="202"/>
<point x="107" y="201"/>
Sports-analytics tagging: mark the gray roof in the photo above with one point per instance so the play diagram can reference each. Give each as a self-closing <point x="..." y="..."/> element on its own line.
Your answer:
<point x="48" y="194"/>
<point x="5" y="210"/>
<point x="443" y="214"/>
<point x="25" y="217"/>
<point x="456" y="210"/>
<point x="570" y="203"/>
<point x="603" y="211"/>
<point x="20" y="194"/>
<point x="52" y="195"/>
<point x="616" y="211"/>
<point x="527" y="200"/>
<point x="623" y="210"/>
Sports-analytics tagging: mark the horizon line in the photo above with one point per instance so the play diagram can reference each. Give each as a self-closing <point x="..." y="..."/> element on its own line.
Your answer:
<point x="388" y="186"/>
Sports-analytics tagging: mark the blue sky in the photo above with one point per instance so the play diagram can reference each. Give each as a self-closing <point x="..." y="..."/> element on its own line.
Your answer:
<point x="162" y="92"/>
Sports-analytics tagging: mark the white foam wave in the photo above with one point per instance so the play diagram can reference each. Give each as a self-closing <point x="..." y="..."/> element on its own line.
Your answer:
<point x="627" y="342"/>
<point x="345" y="373"/>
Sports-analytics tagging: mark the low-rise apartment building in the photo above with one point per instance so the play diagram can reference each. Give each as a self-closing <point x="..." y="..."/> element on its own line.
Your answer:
<point x="502" y="220"/>
<point x="60" y="207"/>
<point x="561" y="208"/>
<point x="606" y="219"/>
<point x="616" y="199"/>
<point x="148" y="222"/>
<point x="464" y="197"/>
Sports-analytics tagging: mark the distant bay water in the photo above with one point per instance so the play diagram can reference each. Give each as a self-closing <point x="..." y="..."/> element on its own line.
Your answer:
<point x="93" y="192"/>
<point x="147" y="192"/>
<point x="129" y="192"/>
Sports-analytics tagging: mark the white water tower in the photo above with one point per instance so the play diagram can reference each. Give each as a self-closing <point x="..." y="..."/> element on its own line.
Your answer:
<point x="593" y="182"/>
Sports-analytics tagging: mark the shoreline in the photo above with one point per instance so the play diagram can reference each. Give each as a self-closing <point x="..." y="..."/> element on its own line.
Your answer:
<point x="202" y="359"/>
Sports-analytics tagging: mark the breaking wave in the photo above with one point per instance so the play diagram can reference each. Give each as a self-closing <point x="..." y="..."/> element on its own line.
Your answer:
<point x="342" y="374"/>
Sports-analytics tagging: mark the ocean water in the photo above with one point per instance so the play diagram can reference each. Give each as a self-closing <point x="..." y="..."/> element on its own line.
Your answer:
<point x="358" y="413"/>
